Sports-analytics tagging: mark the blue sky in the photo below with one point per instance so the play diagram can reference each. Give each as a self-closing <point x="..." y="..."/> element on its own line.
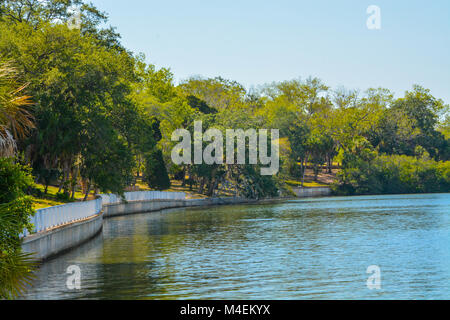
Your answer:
<point x="257" y="41"/>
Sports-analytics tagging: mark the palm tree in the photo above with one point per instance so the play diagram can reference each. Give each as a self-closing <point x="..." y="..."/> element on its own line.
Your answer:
<point x="15" y="123"/>
<point x="15" y="120"/>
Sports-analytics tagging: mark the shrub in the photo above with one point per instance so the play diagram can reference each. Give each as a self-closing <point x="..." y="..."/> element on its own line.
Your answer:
<point x="63" y="197"/>
<point x="394" y="174"/>
<point x="15" y="212"/>
<point x="156" y="174"/>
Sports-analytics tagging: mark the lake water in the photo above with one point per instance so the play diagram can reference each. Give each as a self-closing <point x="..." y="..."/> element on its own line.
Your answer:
<point x="316" y="248"/>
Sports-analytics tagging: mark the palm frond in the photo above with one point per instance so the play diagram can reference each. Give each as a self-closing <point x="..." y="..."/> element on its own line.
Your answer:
<point x="16" y="121"/>
<point x="16" y="274"/>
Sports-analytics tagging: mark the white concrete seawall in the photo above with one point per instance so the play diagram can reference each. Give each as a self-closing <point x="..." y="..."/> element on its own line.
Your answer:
<point x="120" y="209"/>
<point x="54" y="237"/>
<point x="44" y="245"/>
<point x="312" y="192"/>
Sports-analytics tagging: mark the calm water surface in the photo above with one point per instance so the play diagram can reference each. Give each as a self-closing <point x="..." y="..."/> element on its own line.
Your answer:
<point x="303" y="249"/>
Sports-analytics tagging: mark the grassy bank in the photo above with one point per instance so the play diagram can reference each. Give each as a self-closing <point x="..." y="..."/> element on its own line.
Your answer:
<point x="52" y="198"/>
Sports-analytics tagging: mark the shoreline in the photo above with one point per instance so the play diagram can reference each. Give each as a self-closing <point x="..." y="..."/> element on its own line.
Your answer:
<point x="57" y="241"/>
<point x="53" y="242"/>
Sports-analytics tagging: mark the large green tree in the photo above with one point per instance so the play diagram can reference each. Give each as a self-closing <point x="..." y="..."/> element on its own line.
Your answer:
<point x="74" y="78"/>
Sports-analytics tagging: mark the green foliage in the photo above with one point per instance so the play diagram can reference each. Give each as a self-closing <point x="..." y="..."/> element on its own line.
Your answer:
<point x="106" y="159"/>
<point x="15" y="273"/>
<point x="87" y="125"/>
<point x="15" y="118"/>
<point x="218" y="93"/>
<point x="444" y="127"/>
<point x="412" y="121"/>
<point x="255" y="186"/>
<point x="391" y="174"/>
<point x="36" y="13"/>
<point x="200" y="105"/>
<point x="16" y="208"/>
<point x="15" y="212"/>
<point x="15" y="179"/>
<point x="298" y="134"/>
<point x="153" y="83"/>
<point x="64" y="197"/>
<point x="155" y="171"/>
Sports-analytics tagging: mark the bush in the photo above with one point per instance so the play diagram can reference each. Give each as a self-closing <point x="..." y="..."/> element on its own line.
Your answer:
<point x="393" y="175"/>
<point x="256" y="186"/>
<point x="15" y="180"/>
<point x="15" y="212"/>
<point x="63" y="197"/>
<point x="15" y="206"/>
<point x="156" y="174"/>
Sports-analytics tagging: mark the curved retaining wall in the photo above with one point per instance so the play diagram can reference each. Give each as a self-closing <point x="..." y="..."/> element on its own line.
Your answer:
<point x="120" y="209"/>
<point x="50" y="243"/>
<point x="47" y="244"/>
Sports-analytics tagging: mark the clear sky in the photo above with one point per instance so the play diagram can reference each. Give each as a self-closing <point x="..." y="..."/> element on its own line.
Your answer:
<point x="258" y="41"/>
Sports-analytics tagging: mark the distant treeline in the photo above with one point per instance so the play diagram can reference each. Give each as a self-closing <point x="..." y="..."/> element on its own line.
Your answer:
<point x="393" y="174"/>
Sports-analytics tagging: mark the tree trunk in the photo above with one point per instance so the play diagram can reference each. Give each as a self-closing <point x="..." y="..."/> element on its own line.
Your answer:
<point x="87" y="191"/>
<point x="61" y="183"/>
<point x="214" y="183"/>
<point x="330" y="165"/>
<point x="138" y="173"/>
<point x="212" y="187"/>
<point x="74" y="181"/>
<point x="183" y="180"/>
<point x="202" y="186"/>
<point x="66" y="172"/>
<point x="190" y="181"/>
<point x="304" y="170"/>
